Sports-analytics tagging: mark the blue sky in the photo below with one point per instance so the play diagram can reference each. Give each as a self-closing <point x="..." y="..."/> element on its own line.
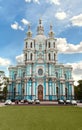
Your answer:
<point x="65" y="16"/>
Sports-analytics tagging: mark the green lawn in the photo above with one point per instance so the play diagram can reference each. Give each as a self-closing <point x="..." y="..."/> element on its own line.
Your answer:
<point x="40" y="118"/>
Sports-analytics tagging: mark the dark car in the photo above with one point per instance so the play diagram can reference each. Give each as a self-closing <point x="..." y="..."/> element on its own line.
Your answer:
<point x="23" y="101"/>
<point x="16" y="101"/>
<point x="80" y="101"/>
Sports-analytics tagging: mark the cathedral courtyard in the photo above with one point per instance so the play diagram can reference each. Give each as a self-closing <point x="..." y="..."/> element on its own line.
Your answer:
<point x="40" y="118"/>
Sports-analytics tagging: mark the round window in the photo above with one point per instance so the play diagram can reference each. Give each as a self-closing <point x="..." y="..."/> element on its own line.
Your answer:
<point x="40" y="71"/>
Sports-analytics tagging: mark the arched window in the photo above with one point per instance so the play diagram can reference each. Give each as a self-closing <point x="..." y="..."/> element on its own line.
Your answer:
<point x="49" y="56"/>
<point x="34" y="44"/>
<point x="56" y="74"/>
<point x="54" y="57"/>
<point x="65" y="76"/>
<point x="15" y="75"/>
<point x="50" y="82"/>
<point x="30" y="82"/>
<point x="26" y="56"/>
<point x="31" y="56"/>
<point x="23" y="74"/>
<point x="31" y="45"/>
<point x="14" y="92"/>
<point x="46" y="43"/>
<point x="57" y="91"/>
<point x="26" y="44"/>
<point x="54" y="44"/>
<point x="66" y="92"/>
<point x="49" y="45"/>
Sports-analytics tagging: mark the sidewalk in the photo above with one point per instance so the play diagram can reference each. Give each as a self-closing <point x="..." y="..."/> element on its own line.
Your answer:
<point x="1" y="104"/>
<point x="79" y="104"/>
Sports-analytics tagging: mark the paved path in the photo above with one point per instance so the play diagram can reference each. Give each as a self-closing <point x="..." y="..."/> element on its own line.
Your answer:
<point x="43" y="103"/>
<point x="1" y="104"/>
<point x="79" y="104"/>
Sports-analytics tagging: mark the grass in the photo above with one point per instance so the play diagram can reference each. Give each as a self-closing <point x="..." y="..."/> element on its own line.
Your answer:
<point x="40" y="118"/>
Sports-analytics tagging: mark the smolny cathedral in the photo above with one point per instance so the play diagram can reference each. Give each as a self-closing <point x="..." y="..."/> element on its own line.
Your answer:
<point x="40" y="76"/>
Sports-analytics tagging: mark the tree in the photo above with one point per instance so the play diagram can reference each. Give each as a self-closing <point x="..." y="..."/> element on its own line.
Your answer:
<point x="5" y="92"/>
<point x="78" y="90"/>
<point x="4" y="81"/>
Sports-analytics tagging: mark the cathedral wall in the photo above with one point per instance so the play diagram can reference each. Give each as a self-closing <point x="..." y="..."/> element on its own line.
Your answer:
<point x="40" y="70"/>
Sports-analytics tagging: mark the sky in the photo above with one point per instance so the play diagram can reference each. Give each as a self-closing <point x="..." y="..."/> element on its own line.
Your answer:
<point x="64" y="15"/>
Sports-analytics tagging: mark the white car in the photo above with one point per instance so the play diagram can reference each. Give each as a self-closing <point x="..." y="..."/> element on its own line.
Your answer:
<point x="73" y="102"/>
<point x="68" y="102"/>
<point x="30" y="101"/>
<point x="37" y="101"/>
<point x="60" y="101"/>
<point x="8" y="102"/>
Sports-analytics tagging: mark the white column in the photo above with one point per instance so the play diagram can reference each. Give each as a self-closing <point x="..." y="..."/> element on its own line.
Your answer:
<point x="25" y="93"/>
<point x="47" y="90"/>
<point x="55" y="88"/>
<point x="33" y="88"/>
<point x="50" y="69"/>
<point x="27" y="88"/>
<point x="64" y="89"/>
<point x="72" y="90"/>
<point x="52" y="87"/>
<point x="30" y="90"/>
<point x="46" y="87"/>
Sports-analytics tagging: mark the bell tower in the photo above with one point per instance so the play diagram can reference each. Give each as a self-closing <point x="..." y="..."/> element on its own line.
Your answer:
<point x="51" y="33"/>
<point x="40" y="28"/>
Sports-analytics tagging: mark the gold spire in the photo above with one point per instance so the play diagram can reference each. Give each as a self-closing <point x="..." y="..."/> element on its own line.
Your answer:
<point x="29" y="33"/>
<point x="40" y="28"/>
<point x="51" y="33"/>
<point x="40" y="21"/>
<point x="29" y="26"/>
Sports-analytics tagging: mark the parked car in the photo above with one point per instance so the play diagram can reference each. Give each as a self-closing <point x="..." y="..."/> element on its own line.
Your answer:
<point x="30" y="101"/>
<point x="60" y="101"/>
<point x="73" y="102"/>
<point x="13" y="100"/>
<point x="37" y="101"/>
<point x="8" y="102"/>
<point x="16" y="101"/>
<point x="80" y="101"/>
<point x="67" y="102"/>
<point x="23" y="101"/>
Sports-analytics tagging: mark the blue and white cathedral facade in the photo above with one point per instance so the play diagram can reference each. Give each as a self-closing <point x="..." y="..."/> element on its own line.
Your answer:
<point x="40" y="76"/>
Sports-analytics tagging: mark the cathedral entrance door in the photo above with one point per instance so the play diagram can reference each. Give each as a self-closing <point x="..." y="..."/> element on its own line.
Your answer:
<point x="40" y="92"/>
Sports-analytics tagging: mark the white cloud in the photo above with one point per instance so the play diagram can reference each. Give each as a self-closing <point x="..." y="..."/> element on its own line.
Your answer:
<point x="60" y="15"/>
<point x="77" y="20"/>
<point x="77" y="70"/>
<point x="20" y="58"/>
<point x="4" y="62"/>
<point x="35" y="1"/>
<point x="24" y="21"/>
<point x="68" y="48"/>
<point x="56" y="2"/>
<point x="16" y="26"/>
<point x="28" y="1"/>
